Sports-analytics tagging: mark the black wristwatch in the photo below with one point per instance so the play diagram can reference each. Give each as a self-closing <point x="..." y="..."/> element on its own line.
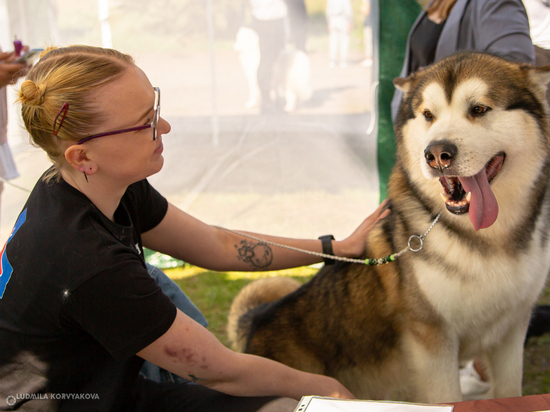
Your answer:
<point x="326" y="242"/>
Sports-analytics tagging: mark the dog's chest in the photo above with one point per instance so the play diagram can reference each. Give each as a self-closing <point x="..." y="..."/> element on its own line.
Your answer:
<point x="472" y="290"/>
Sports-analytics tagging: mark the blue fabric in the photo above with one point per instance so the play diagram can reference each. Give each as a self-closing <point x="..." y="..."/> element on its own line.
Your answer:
<point x="179" y="298"/>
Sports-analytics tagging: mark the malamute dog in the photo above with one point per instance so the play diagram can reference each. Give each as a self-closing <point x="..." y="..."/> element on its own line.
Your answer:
<point x="473" y="146"/>
<point x="291" y="79"/>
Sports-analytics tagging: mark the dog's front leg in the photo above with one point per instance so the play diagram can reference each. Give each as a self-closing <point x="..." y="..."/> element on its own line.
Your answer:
<point x="506" y="361"/>
<point x="433" y="362"/>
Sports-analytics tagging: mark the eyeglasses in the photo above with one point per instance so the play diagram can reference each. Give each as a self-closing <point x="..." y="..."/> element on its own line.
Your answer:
<point x="153" y="125"/>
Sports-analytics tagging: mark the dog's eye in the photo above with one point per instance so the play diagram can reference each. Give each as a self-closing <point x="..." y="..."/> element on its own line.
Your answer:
<point x="428" y="115"/>
<point x="479" y="110"/>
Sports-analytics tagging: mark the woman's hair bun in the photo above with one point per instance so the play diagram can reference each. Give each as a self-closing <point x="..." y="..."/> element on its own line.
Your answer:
<point x="47" y="50"/>
<point x="31" y="94"/>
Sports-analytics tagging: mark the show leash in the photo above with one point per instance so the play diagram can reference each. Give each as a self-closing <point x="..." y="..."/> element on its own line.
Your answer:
<point x="368" y="262"/>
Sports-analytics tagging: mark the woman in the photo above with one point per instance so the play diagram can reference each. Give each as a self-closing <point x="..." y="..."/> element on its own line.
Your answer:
<point x="77" y="301"/>
<point x="10" y="71"/>
<point x="449" y="26"/>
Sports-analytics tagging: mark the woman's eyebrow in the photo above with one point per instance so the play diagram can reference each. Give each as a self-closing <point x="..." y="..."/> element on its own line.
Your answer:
<point x="146" y="113"/>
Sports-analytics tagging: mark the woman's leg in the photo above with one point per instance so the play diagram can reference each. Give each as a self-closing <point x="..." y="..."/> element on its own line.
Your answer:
<point x="173" y="397"/>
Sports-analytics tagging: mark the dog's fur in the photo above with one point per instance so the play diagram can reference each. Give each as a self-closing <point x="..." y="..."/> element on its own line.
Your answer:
<point x="248" y="47"/>
<point x="291" y="81"/>
<point x="401" y="330"/>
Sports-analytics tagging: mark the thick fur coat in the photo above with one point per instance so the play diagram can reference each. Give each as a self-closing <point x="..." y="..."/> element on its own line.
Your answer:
<point x="473" y="146"/>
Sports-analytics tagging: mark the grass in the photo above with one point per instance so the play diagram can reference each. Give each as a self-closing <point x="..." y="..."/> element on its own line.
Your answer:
<point x="213" y="293"/>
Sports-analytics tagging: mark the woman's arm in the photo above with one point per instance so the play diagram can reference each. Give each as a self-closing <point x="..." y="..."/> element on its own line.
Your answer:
<point x="186" y="238"/>
<point x="503" y="28"/>
<point x="189" y="350"/>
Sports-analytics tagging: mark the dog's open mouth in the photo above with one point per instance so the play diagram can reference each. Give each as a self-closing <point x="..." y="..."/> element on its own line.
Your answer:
<point x="473" y="194"/>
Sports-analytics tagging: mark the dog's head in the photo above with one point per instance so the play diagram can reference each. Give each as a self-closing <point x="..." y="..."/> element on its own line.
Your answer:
<point x="474" y="127"/>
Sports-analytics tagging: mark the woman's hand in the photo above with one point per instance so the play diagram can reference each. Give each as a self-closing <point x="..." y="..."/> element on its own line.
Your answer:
<point x="332" y="388"/>
<point x="354" y="245"/>
<point x="9" y="70"/>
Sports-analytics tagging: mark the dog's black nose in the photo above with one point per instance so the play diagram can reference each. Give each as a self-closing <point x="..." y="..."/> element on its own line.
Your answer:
<point x="440" y="155"/>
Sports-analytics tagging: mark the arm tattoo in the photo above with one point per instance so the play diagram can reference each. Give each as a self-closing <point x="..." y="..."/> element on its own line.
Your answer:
<point x="257" y="254"/>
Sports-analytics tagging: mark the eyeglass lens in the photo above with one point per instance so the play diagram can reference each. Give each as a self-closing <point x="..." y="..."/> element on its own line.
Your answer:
<point x="157" y="113"/>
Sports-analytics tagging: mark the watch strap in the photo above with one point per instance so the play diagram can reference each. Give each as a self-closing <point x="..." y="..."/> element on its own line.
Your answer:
<point x="326" y="242"/>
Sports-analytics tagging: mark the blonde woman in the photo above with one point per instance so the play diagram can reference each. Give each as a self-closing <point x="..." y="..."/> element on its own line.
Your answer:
<point x="79" y="312"/>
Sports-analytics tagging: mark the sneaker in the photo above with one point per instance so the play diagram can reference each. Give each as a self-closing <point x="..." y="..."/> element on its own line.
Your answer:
<point x="471" y="385"/>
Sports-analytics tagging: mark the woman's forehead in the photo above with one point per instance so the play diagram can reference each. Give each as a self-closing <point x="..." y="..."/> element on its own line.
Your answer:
<point x="129" y="92"/>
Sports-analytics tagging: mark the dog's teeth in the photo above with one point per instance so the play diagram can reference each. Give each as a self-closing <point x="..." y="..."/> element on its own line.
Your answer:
<point x="468" y="196"/>
<point x="445" y="197"/>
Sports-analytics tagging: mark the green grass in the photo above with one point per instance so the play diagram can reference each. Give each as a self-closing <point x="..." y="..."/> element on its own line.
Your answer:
<point x="213" y="293"/>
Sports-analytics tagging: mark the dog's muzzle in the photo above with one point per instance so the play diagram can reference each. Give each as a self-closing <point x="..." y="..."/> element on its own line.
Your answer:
<point x="471" y="194"/>
<point x="440" y="155"/>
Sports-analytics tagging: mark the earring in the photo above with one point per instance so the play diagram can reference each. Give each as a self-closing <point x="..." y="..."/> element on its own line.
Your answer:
<point x="85" y="176"/>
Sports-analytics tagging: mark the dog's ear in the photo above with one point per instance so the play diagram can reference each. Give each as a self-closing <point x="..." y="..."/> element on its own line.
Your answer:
<point x="541" y="75"/>
<point x="538" y="75"/>
<point x="402" y="83"/>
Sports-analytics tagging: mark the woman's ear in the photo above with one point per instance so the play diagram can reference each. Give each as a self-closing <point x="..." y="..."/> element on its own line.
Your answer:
<point x="77" y="157"/>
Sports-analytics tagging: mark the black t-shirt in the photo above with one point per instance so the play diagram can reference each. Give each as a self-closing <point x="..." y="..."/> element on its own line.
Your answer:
<point x="77" y="302"/>
<point x="424" y="40"/>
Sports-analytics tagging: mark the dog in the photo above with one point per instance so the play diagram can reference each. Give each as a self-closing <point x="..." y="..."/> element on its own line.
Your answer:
<point x="247" y="45"/>
<point x="473" y="145"/>
<point x="291" y="78"/>
<point x="291" y="82"/>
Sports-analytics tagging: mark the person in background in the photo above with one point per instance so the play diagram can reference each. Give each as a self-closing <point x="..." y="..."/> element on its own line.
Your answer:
<point x="268" y="20"/>
<point x="9" y="73"/>
<point x="298" y="22"/>
<point x="367" y="33"/>
<point x="448" y="26"/>
<point x="538" y="12"/>
<point x="339" y="16"/>
<point x="79" y="310"/>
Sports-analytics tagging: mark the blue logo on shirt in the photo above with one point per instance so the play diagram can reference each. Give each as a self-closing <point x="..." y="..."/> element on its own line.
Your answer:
<point x="5" y="268"/>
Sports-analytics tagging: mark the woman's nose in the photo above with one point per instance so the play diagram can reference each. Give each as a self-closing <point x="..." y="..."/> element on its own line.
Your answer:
<point x="164" y="126"/>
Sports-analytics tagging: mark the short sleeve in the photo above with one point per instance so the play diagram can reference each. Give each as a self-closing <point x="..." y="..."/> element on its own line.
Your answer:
<point x="146" y="205"/>
<point x="122" y="308"/>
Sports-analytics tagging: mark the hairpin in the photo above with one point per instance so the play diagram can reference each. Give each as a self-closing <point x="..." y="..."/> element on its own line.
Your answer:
<point x="63" y="110"/>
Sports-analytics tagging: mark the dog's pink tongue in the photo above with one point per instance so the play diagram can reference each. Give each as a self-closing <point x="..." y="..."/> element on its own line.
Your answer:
<point x="483" y="204"/>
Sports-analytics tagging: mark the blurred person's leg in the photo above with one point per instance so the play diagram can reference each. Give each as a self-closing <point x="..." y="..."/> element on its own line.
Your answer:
<point x="333" y="47"/>
<point x="271" y="34"/>
<point x="344" y="48"/>
<point x="367" y="39"/>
